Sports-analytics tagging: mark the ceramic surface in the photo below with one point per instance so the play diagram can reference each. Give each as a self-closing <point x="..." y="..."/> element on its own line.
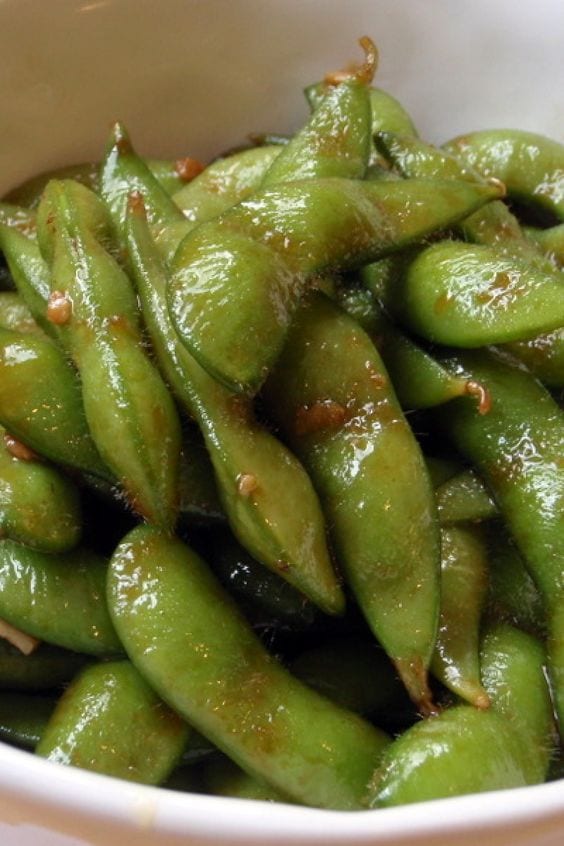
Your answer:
<point x="193" y="77"/>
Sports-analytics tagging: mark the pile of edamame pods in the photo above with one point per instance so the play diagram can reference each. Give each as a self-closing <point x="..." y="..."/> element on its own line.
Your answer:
<point x="282" y="464"/>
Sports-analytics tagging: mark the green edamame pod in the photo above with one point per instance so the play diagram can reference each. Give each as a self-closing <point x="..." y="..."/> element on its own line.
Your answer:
<point x="531" y="166"/>
<point x="464" y="498"/>
<point x="513" y="673"/>
<point x="464" y="583"/>
<point x="336" y="140"/>
<point x="209" y="666"/>
<point x="57" y="598"/>
<point x="517" y="449"/>
<point x="130" y="414"/>
<point x="46" y="668"/>
<point x="461" y="750"/>
<point x="471" y="295"/>
<point x="23" y="717"/>
<point x="418" y="379"/>
<point x="513" y="597"/>
<point x="493" y="225"/>
<point x="467" y="750"/>
<point x="251" y="466"/>
<point x="87" y="208"/>
<point x="544" y="357"/>
<point x="332" y="398"/>
<point x="14" y="314"/>
<point x="110" y="721"/>
<point x="388" y="115"/>
<point x="122" y="173"/>
<point x="174" y="175"/>
<point x="30" y="274"/>
<point x="38" y="506"/>
<point x="259" y="480"/>
<point x="237" y="280"/>
<point x="41" y="402"/>
<point x="224" y="183"/>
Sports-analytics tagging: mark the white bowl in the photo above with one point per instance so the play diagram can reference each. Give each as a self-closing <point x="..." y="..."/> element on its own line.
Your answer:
<point x="194" y="77"/>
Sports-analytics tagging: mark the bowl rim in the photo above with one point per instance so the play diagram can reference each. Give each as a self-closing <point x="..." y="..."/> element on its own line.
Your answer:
<point x="109" y="800"/>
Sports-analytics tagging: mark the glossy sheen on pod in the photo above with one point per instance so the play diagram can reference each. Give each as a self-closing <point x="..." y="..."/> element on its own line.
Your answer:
<point x="57" y="598"/>
<point x="195" y="649"/>
<point x="259" y="480"/>
<point x="332" y="398"/>
<point x="237" y="280"/>
<point x="110" y="721"/>
<point x="467" y="750"/>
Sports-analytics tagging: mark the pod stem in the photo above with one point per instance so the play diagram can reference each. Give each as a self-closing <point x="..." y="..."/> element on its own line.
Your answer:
<point x="480" y="392"/>
<point x="363" y="73"/>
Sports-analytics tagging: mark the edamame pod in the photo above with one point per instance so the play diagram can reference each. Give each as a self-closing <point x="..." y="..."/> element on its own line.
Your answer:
<point x="38" y="506"/>
<point x="461" y="750"/>
<point x="130" y="414"/>
<point x="41" y="402"/>
<point x="513" y="673"/>
<point x="464" y="498"/>
<point x="124" y="172"/>
<point x="237" y="280"/>
<point x="110" y="721"/>
<point x="544" y="357"/>
<point x="467" y="750"/>
<point x="332" y="398"/>
<point x="57" y="598"/>
<point x="531" y="166"/>
<point x="464" y="583"/>
<point x="388" y="115"/>
<point x="336" y="140"/>
<point x="419" y="380"/>
<point x="550" y="241"/>
<point x="208" y="665"/>
<point x="470" y="296"/>
<point x="224" y="183"/>
<point x="517" y="449"/>
<point x="259" y="480"/>
<point x="492" y="225"/>
<point x="30" y="274"/>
